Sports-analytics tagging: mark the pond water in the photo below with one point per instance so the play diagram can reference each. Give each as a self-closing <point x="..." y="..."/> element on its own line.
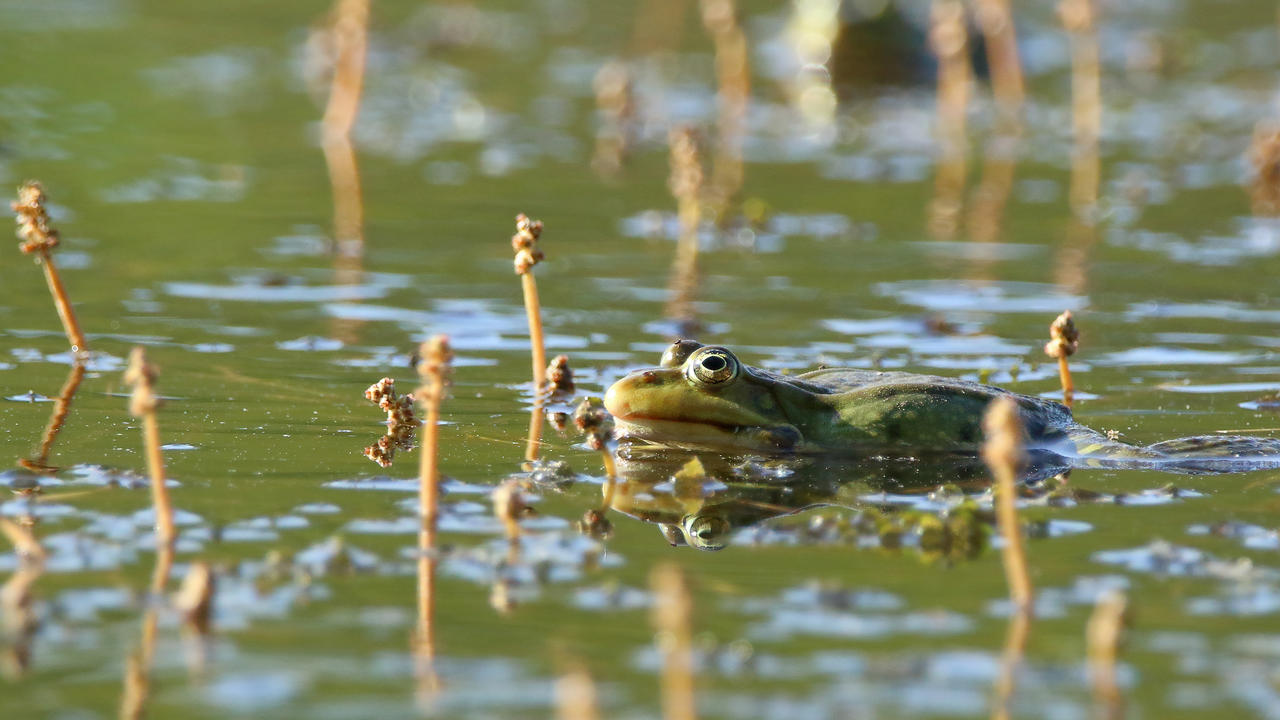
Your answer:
<point x="179" y="144"/>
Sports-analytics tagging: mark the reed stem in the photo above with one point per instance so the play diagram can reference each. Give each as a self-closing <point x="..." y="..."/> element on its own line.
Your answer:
<point x="672" y="618"/>
<point x="39" y="237"/>
<point x="1004" y="455"/>
<point x="1103" y="635"/>
<point x="525" y="245"/>
<point x="142" y="376"/>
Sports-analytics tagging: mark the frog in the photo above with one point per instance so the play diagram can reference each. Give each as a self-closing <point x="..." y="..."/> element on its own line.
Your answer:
<point x="703" y="396"/>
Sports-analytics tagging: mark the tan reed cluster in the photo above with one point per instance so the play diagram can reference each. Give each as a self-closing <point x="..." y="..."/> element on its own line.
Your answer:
<point x="39" y="238"/>
<point x="401" y="421"/>
<point x="616" y="109"/>
<point x="143" y="404"/>
<point x="1063" y="343"/>
<point x="1005" y="455"/>
<point x="672" y="617"/>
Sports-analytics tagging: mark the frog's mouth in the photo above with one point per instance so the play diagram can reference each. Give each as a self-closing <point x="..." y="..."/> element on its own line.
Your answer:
<point x="701" y="434"/>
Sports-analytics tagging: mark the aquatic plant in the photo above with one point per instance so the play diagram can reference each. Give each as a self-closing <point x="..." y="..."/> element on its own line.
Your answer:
<point x="1004" y="454"/>
<point x="527" y="255"/>
<point x="143" y="404"/>
<point x="560" y="378"/>
<point x="1103" y="635"/>
<point x="40" y="238"/>
<point x="1063" y="343"/>
<point x="349" y="39"/>
<point x="1079" y="20"/>
<point x="401" y="421"/>
<point x="672" y="618"/>
<point x="434" y="367"/>
<point x="948" y="38"/>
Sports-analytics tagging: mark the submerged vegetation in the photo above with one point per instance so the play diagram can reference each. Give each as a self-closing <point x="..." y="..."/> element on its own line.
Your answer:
<point x="817" y="160"/>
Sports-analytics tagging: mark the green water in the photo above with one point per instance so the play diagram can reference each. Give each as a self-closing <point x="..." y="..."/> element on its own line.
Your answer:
<point x="178" y="145"/>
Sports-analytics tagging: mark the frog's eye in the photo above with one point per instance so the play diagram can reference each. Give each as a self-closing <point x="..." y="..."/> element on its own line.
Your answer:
<point x="712" y="366"/>
<point x="679" y="351"/>
<point x="706" y="532"/>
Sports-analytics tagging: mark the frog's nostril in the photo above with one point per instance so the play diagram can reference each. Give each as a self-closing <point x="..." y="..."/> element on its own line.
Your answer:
<point x="648" y="376"/>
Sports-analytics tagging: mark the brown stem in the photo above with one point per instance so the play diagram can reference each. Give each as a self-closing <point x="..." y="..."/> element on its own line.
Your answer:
<point x="63" y="304"/>
<point x="58" y="418"/>
<point x="165" y="532"/>
<point x="534" y="312"/>
<point x="1064" y="374"/>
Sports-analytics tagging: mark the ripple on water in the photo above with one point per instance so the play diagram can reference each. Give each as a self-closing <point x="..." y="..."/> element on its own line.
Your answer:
<point x="994" y="297"/>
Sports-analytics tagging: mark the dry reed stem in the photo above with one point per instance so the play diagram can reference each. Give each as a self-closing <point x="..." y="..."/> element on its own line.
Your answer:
<point x="995" y="19"/>
<point x="1015" y="645"/>
<point x="137" y="681"/>
<point x="1079" y="19"/>
<point x="39" y="237"/>
<point x="194" y="600"/>
<point x="949" y="39"/>
<point x="434" y="368"/>
<point x="673" y="619"/>
<point x="525" y="245"/>
<point x="533" y="442"/>
<point x="350" y="40"/>
<point x="143" y="404"/>
<point x="1004" y="454"/>
<point x="616" y="108"/>
<point x="1063" y="343"/>
<point x="22" y="539"/>
<point x="686" y="184"/>
<point x="58" y="418"/>
<point x="733" y="76"/>
<point x="576" y="696"/>
<point x="1103" y="636"/>
<point x="18" y="619"/>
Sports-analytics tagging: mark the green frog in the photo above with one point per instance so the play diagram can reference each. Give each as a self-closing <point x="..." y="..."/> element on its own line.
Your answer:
<point x="702" y="396"/>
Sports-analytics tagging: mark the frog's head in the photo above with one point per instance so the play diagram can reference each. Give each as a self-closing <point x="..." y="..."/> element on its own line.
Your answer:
<point x="704" y="531"/>
<point x="701" y="395"/>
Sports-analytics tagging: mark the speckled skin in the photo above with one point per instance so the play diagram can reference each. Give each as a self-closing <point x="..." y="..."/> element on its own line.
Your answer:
<point x="850" y="411"/>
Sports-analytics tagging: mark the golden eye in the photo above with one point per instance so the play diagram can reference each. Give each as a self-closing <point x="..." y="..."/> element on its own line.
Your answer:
<point x="712" y="366"/>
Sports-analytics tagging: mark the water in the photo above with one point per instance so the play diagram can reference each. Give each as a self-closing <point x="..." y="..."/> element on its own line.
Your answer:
<point x="179" y="147"/>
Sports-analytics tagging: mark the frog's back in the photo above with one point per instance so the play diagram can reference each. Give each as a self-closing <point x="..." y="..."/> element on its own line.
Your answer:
<point x="928" y="410"/>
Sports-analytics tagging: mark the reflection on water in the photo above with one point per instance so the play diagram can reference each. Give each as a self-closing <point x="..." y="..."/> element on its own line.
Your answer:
<point x="204" y="225"/>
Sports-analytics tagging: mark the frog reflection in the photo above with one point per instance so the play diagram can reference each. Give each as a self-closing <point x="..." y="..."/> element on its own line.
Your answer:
<point x="701" y="499"/>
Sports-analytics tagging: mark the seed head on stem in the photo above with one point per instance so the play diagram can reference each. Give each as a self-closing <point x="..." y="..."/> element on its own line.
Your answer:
<point x="1063" y="343"/>
<point x="39" y="238"/>
<point x="527" y="254"/>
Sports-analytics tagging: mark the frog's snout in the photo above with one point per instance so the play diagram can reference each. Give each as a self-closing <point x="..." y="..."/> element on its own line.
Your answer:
<point x="617" y="397"/>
